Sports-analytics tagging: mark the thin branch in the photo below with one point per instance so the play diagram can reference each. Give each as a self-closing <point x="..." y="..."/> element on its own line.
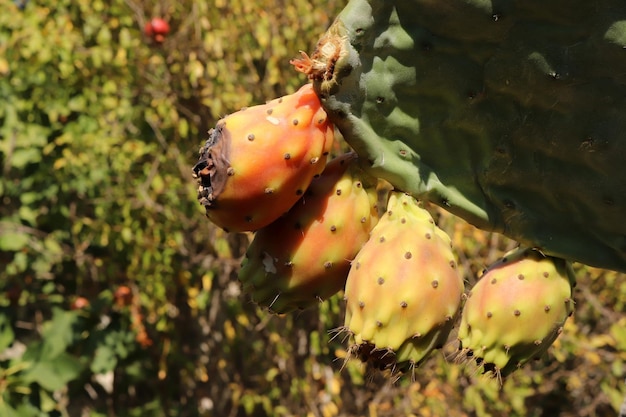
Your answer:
<point x="622" y="410"/>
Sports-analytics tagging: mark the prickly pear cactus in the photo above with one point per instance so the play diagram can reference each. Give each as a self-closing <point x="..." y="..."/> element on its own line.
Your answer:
<point x="509" y="114"/>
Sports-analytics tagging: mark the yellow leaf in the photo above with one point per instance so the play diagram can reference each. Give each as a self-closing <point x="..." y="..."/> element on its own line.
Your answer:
<point x="593" y="357"/>
<point x="271" y="374"/>
<point x="574" y="382"/>
<point x="229" y="330"/>
<point x="202" y="374"/>
<point x="207" y="281"/>
<point x="183" y="128"/>
<point x="243" y="320"/>
<point x="4" y="66"/>
<point x="602" y="340"/>
<point x="195" y="70"/>
<point x="121" y="57"/>
<point x="372" y="410"/>
<point x="330" y="410"/>
<point x="275" y="337"/>
<point x="59" y="163"/>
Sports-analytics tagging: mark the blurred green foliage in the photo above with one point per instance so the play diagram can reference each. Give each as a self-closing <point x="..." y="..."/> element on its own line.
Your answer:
<point x="117" y="298"/>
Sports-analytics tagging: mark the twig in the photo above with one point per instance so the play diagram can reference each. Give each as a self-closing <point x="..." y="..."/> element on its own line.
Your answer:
<point x="185" y="172"/>
<point x="622" y="410"/>
<point x="597" y="305"/>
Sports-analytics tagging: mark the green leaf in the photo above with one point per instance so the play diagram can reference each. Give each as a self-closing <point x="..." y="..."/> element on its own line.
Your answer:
<point x="619" y="333"/>
<point x="183" y="128"/>
<point x="7" y="411"/>
<point x="29" y="197"/>
<point x="47" y="403"/>
<point x="13" y="241"/>
<point x="104" y="360"/>
<point x="77" y="104"/>
<point x="58" y="333"/>
<point x="6" y="333"/>
<point x="615" y="396"/>
<point x="53" y="374"/>
<point x="26" y="409"/>
<point x="52" y="246"/>
<point x="28" y="214"/>
<point x="23" y="157"/>
<point x="21" y="261"/>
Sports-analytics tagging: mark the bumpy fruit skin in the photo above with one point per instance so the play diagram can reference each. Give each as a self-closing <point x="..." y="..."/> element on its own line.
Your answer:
<point x="304" y="257"/>
<point x="516" y="310"/>
<point x="508" y="114"/>
<point x="259" y="161"/>
<point x="403" y="290"/>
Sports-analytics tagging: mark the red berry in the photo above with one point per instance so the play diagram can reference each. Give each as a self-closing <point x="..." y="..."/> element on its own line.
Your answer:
<point x="157" y="29"/>
<point x="160" y="26"/>
<point x="80" y="303"/>
<point x="123" y="296"/>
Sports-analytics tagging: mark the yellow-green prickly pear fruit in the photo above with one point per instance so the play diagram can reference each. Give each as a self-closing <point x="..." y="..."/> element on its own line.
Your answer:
<point x="516" y="310"/>
<point x="403" y="290"/>
<point x="304" y="257"/>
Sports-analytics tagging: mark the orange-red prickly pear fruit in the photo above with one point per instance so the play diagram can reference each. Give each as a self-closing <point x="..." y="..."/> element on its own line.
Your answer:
<point x="259" y="161"/>
<point x="304" y="257"/>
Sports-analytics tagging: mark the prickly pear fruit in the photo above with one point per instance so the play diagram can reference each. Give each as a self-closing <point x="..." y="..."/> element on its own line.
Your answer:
<point x="403" y="289"/>
<point x="304" y="256"/>
<point x="516" y="310"/>
<point x="259" y="161"/>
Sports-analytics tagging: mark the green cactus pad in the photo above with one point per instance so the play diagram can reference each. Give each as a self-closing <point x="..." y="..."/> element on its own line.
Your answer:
<point x="508" y="114"/>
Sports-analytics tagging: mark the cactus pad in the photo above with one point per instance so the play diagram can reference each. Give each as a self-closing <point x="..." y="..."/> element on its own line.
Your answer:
<point x="510" y="115"/>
